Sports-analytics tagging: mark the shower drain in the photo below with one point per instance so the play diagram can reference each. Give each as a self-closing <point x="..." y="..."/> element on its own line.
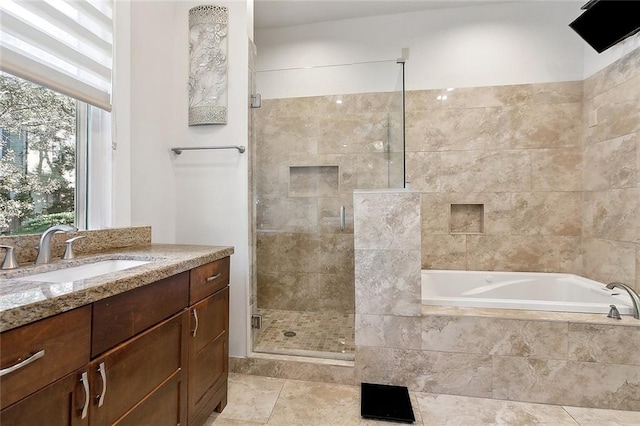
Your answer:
<point x="289" y="333"/>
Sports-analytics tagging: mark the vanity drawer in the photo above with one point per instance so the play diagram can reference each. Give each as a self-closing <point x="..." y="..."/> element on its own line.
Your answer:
<point x="120" y="317"/>
<point x="207" y="279"/>
<point x="65" y="340"/>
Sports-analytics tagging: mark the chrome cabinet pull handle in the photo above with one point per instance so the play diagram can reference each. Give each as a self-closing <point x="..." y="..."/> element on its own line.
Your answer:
<point x="21" y="364"/>
<point x="103" y="376"/>
<point x="195" y="315"/>
<point x="343" y="218"/>
<point x="85" y="383"/>
<point x="215" y="277"/>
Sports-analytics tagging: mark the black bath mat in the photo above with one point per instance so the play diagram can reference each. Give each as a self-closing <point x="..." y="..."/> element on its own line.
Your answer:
<point x="384" y="402"/>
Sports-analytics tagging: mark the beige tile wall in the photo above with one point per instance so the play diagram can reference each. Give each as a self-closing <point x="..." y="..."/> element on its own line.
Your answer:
<point x="311" y="154"/>
<point x="554" y="358"/>
<point x="516" y="150"/>
<point x="556" y="167"/>
<point x="611" y="199"/>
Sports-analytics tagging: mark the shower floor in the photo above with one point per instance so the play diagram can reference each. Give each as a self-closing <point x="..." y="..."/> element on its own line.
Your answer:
<point x="320" y="334"/>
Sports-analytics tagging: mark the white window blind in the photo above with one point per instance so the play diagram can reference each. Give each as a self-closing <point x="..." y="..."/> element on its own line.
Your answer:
<point x="65" y="45"/>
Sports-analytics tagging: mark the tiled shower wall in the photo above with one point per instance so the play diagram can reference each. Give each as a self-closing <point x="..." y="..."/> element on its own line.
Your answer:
<point x="611" y="202"/>
<point x="536" y="177"/>
<point x="311" y="154"/>
<point x="552" y="172"/>
<point x="500" y="171"/>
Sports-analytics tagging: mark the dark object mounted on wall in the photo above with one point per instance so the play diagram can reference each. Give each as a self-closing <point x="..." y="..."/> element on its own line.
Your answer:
<point x="605" y="23"/>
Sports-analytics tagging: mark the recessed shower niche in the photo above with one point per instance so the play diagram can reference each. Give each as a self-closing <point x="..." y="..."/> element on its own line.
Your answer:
<point x="467" y="219"/>
<point x="313" y="181"/>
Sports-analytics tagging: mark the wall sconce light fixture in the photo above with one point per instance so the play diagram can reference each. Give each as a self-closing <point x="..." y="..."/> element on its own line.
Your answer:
<point x="208" y="65"/>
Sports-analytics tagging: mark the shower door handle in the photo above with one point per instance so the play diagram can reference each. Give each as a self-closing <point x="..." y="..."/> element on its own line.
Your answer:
<point x="343" y="217"/>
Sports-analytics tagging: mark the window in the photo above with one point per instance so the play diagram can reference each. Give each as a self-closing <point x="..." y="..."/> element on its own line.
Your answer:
<point x="55" y="150"/>
<point x="38" y="178"/>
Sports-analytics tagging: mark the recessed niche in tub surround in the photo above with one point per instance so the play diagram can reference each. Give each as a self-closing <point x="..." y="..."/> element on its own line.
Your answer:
<point x="467" y="218"/>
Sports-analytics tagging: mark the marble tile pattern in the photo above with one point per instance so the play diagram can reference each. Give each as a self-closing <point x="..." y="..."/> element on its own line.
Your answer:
<point x="387" y="249"/>
<point x="313" y="181"/>
<point x="22" y="302"/>
<point x="467" y="219"/>
<point x="95" y="241"/>
<point x="555" y="166"/>
<point x="258" y="401"/>
<point x="516" y="150"/>
<point x="429" y="371"/>
<point x="611" y="201"/>
<point x="294" y="367"/>
<point x="386" y="220"/>
<point x="585" y="384"/>
<point x="311" y="153"/>
<point x="387" y="282"/>
<point x="540" y="357"/>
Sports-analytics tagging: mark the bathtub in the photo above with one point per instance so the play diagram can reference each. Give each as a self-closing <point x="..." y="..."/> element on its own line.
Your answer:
<point x="521" y="290"/>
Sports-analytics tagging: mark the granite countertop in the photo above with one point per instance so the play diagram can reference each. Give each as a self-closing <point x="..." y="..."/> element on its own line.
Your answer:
<point x="23" y="301"/>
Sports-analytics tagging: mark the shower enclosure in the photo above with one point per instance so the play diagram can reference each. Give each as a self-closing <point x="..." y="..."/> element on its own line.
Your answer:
<point x="320" y="133"/>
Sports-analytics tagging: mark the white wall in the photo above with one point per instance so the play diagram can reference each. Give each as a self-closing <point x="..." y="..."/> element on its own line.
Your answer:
<point x="121" y="114"/>
<point x="155" y="117"/>
<point x="199" y="197"/>
<point x="525" y="42"/>
<point x="212" y="186"/>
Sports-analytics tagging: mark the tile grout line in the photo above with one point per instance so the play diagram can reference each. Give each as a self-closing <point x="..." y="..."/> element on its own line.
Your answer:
<point x="569" y="414"/>
<point x="276" y="403"/>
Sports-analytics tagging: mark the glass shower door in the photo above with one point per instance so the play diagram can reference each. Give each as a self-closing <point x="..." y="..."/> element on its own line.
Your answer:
<point x="311" y="152"/>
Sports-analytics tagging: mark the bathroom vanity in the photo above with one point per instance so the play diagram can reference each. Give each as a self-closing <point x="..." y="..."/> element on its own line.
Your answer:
<point x="145" y="345"/>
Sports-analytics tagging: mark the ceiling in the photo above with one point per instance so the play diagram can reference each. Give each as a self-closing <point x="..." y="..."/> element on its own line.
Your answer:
<point x="284" y="13"/>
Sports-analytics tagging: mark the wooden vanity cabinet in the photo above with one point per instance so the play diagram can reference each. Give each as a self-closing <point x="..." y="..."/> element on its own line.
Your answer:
<point x="140" y="355"/>
<point x="47" y="350"/>
<point x="59" y="404"/>
<point x="120" y="317"/>
<point x="142" y="380"/>
<point x="208" y="340"/>
<point x="154" y="355"/>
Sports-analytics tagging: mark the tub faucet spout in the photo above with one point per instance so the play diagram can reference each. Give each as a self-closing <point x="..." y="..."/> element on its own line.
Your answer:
<point x="44" y="247"/>
<point x="635" y="298"/>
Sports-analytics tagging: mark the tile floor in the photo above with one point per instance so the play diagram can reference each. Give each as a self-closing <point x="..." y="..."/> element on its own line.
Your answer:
<point x="255" y="400"/>
<point x="316" y="332"/>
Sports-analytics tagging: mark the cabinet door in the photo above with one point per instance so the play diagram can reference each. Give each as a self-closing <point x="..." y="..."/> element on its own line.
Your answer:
<point x="59" y="404"/>
<point x="208" y="355"/>
<point x="141" y="381"/>
<point x="48" y="350"/>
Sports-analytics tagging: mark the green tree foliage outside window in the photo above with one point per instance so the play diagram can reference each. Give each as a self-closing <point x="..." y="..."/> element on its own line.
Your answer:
<point x="37" y="166"/>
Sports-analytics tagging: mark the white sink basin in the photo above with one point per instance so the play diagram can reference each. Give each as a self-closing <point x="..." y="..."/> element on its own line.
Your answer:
<point x="82" y="272"/>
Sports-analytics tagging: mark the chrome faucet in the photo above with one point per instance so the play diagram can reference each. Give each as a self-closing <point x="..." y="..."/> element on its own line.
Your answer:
<point x="44" y="247"/>
<point x="635" y="298"/>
